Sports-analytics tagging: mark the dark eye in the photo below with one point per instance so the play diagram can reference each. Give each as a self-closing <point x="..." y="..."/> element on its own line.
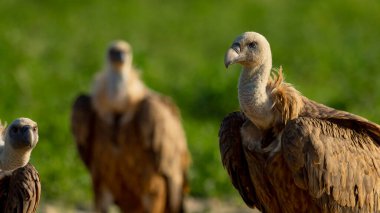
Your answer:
<point x="35" y="129"/>
<point x="252" y="45"/>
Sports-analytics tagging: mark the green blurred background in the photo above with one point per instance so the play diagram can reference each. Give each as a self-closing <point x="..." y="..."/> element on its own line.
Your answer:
<point x="50" y="50"/>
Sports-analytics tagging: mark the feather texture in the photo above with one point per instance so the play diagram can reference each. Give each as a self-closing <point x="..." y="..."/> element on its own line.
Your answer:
<point x="337" y="165"/>
<point x="131" y="140"/>
<point x="309" y="157"/>
<point x="328" y="155"/>
<point x="20" y="190"/>
<point x="145" y="168"/>
<point x="233" y="158"/>
<point x="287" y="101"/>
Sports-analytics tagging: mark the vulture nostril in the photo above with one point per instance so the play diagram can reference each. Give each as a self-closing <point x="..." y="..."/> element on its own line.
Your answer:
<point x="236" y="47"/>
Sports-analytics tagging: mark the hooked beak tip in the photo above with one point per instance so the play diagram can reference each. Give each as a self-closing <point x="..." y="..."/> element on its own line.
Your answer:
<point x="231" y="57"/>
<point x="227" y="64"/>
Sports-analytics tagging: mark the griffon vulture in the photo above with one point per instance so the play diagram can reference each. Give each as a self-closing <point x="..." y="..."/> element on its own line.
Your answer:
<point x="20" y="187"/>
<point x="131" y="140"/>
<point x="286" y="153"/>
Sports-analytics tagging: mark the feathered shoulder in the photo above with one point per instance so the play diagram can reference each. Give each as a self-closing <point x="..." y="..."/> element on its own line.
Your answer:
<point x="20" y="190"/>
<point x="290" y="104"/>
<point x="153" y="98"/>
<point x="287" y="101"/>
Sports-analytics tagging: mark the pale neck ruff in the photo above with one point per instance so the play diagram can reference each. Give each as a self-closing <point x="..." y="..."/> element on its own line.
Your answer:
<point x="117" y="82"/>
<point x="13" y="159"/>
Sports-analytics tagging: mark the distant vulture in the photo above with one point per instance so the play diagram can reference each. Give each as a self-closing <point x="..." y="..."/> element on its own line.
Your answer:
<point x="20" y="187"/>
<point x="131" y="140"/>
<point x="286" y="153"/>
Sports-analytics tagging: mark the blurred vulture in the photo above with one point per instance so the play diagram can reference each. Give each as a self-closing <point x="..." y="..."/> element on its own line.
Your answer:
<point x="131" y="140"/>
<point x="20" y="187"/>
<point x="286" y="153"/>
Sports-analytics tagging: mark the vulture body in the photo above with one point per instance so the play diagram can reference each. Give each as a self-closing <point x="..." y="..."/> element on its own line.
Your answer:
<point x="20" y="187"/>
<point x="131" y="140"/>
<point x="286" y="153"/>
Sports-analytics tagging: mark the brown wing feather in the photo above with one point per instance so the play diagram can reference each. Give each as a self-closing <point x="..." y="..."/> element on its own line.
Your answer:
<point x="338" y="165"/>
<point x="20" y="190"/>
<point x="162" y="132"/>
<point x="290" y="104"/>
<point x="82" y="121"/>
<point x="342" y="118"/>
<point x="233" y="157"/>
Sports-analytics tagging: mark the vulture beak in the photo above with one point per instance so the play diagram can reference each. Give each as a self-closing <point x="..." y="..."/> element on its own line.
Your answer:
<point x="232" y="55"/>
<point x="116" y="56"/>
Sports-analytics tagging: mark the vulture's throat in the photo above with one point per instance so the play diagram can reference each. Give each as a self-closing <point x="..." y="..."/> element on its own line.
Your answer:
<point x="254" y="99"/>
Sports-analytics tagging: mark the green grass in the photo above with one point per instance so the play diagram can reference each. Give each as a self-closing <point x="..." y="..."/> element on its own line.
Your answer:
<point x="49" y="52"/>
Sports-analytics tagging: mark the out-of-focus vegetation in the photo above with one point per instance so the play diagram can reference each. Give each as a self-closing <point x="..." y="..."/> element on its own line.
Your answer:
<point x="50" y="50"/>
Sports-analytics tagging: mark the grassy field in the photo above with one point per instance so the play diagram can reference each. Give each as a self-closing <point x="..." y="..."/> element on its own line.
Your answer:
<point x="50" y="51"/>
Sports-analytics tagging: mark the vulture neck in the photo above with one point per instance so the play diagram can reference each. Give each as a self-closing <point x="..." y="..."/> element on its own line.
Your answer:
<point x="125" y="89"/>
<point x="118" y="80"/>
<point x="254" y="99"/>
<point x="11" y="159"/>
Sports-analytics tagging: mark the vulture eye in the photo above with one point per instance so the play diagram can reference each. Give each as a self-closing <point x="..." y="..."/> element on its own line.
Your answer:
<point x="35" y="129"/>
<point x="252" y="45"/>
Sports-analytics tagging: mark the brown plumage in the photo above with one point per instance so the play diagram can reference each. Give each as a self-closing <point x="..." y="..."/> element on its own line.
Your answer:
<point x="20" y="190"/>
<point x="20" y="187"/>
<point x="131" y="140"/>
<point x="286" y="153"/>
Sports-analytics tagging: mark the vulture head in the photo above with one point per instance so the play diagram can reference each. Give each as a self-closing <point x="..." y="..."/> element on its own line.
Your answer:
<point x="119" y="56"/>
<point x="18" y="141"/>
<point x="250" y="49"/>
